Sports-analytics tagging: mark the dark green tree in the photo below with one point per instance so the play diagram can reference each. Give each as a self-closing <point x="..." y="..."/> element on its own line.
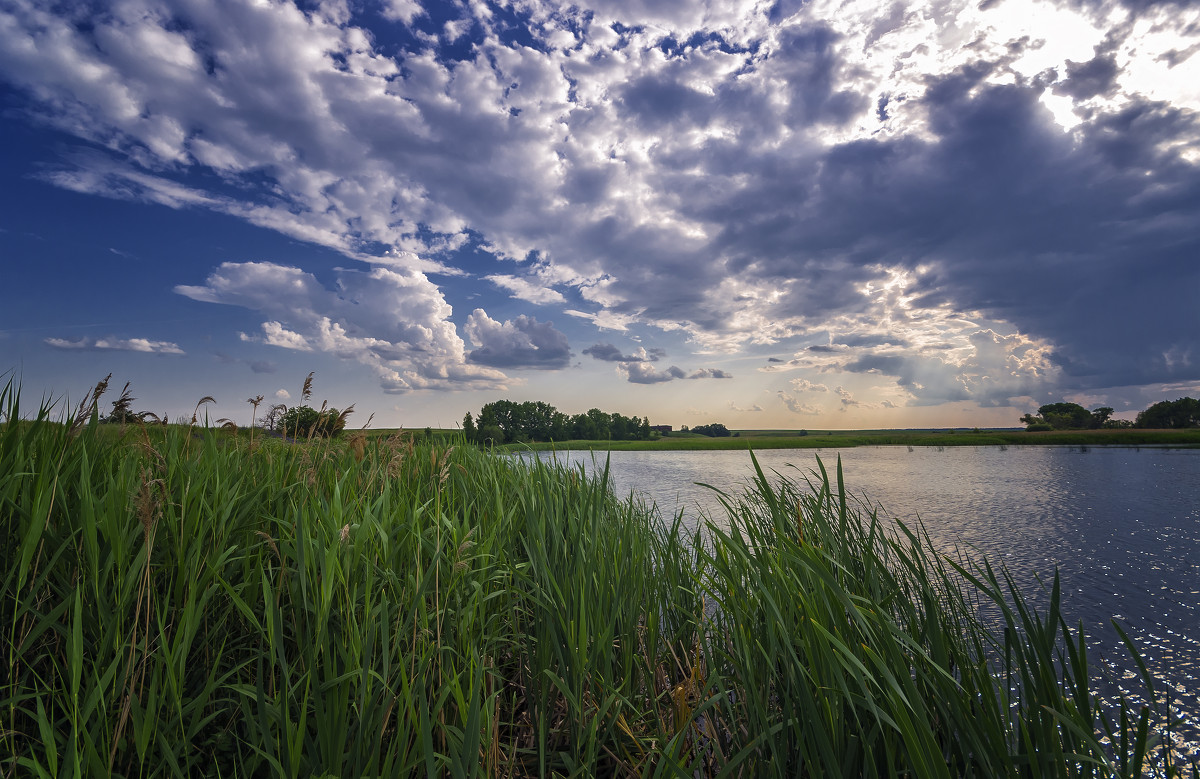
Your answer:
<point x="1184" y="412"/>
<point x="1064" y="416"/>
<point x="602" y="423"/>
<point x="305" y="422"/>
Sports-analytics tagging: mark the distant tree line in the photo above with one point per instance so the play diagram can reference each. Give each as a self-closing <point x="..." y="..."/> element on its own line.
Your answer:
<point x="506" y="421"/>
<point x="1184" y="412"/>
<point x="714" y="430"/>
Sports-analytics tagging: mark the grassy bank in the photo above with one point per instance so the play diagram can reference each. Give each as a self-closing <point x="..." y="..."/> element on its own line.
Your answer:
<point x="178" y="602"/>
<point x="822" y="439"/>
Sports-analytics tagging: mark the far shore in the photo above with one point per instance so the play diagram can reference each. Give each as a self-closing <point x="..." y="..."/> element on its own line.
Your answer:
<point x="818" y="439"/>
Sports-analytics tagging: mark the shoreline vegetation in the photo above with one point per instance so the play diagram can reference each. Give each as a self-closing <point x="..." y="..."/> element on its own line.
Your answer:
<point x="181" y="601"/>
<point x="821" y="439"/>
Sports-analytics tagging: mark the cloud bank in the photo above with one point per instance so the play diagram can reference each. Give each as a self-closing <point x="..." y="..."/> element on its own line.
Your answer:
<point x="735" y="173"/>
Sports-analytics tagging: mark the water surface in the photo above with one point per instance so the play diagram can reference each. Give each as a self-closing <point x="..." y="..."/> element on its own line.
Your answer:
<point x="1122" y="526"/>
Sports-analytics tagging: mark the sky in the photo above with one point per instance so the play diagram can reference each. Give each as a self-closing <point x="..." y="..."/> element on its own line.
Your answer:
<point x="778" y="214"/>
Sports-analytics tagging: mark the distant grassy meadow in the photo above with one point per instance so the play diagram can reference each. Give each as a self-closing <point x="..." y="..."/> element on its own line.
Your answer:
<point x="819" y="439"/>
<point x="179" y="601"/>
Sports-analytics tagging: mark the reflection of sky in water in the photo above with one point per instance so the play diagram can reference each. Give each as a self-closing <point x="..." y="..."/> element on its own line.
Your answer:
<point x="1122" y="526"/>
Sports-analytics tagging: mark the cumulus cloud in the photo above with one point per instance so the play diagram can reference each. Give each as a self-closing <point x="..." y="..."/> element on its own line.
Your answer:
<point x="710" y="373"/>
<point x="804" y="385"/>
<point x="523" y="289"/>
<point x="794" y="405"/>
<point x="846" y="398"/>
<point x="642" y="373"/>
<point x="116" y="344"/>
<point x="521" y="343"/>
<point x="393" y="321"/>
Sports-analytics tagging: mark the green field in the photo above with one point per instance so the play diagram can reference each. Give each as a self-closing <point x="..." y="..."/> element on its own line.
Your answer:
<point x="815" y="439"/>
<point x="184" y="602"/>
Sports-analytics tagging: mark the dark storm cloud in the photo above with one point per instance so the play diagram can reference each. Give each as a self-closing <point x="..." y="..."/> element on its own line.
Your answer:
<point x="1087" y="240"/>
<point x="812" y="68"/>
<point x="657" y="102"/>
<point x="1085" y="80"/>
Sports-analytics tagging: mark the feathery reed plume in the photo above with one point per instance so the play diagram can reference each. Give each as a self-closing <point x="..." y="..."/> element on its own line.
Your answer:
<point x="227" y="424"/>
<point x="87" y="406"/>
<point x="306" y="392"/>
<point x="317" y="424"/>
<point x="122" y="407"/>
<point x="254" y="401"/>
<point x="358" y="446"/>
<point x="368" y="424"/>
<point x="340" y="422"/>
<point x="203" y="401"/>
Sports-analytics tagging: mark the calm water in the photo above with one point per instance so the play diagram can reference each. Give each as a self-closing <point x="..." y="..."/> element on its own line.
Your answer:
<point x="1121" y="525"/>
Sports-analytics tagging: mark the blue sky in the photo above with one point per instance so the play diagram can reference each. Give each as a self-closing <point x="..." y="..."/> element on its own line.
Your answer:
<point x="768" y="214"/>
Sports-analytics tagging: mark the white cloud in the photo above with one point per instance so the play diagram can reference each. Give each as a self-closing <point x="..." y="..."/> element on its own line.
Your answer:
<point x="794" y="405"/>
<point x="116" y="344"/>
<point x="275" y="334"/>
<point x="523" y="289"/>
<point x="395" y="322"/>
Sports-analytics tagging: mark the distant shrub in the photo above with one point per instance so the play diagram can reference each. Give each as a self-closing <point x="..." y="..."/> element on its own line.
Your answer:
<point x="305" y="421"/>
<point x="1038" y="427"/>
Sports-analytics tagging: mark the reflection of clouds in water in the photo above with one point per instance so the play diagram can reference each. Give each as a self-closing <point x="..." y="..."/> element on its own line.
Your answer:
<point x="1121" y="525"/>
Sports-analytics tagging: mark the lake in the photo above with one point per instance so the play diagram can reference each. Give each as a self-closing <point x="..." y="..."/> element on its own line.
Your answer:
<point x="1122" y="525"/>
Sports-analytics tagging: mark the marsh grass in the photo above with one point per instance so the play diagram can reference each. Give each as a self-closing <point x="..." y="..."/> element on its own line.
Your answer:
<point x="178" y="601"/>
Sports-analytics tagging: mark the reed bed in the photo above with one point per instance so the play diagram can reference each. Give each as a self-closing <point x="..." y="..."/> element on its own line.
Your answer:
<point x="183" y="602"/>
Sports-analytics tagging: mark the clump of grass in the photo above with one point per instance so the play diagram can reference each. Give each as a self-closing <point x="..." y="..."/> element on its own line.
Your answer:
<point x="174" y="605"/>
<point x="845" y="644"/>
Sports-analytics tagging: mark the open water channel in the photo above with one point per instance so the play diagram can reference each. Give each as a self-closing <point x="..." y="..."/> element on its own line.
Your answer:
<point x="1122" y="526"/>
